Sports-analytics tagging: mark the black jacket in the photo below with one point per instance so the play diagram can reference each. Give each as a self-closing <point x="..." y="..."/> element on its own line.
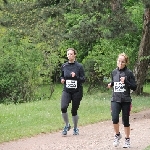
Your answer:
<point x="121" y="92"/>
<point x="66" y="70"/>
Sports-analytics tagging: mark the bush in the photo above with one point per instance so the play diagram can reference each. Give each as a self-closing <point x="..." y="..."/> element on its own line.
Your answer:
<point x="20" y="64"/>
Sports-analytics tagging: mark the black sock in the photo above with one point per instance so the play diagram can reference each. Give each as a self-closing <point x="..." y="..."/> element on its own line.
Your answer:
<point x="118" y="134"/>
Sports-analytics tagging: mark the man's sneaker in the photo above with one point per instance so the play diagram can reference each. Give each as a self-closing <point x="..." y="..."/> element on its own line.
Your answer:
<point x="66" y="128"/>
<point x="75" y="131"/>
<point x="127" y="143"/>
<point x="116" y="140"/>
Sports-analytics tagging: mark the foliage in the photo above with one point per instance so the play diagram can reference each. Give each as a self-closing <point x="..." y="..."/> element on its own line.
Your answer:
<point x="99" y="62"/>
<point x="94" y="28"/>
<point x="34" y="19"/>
<point x="83" y="24"/>
<point x="132" y="40"/>
<point x="41" y="20"/>
<point x="20" y="65"/>
<point x="111" y="32"/>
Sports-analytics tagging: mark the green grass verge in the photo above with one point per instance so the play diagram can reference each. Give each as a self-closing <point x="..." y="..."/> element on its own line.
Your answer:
<point x="44" y="116"/>
<point x="147" y="148"/>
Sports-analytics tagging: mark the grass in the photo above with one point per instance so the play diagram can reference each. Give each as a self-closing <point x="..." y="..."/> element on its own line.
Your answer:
<point x="147" y="148"/>
<point x="146" y="88"/>
<point x="44" y="116"/>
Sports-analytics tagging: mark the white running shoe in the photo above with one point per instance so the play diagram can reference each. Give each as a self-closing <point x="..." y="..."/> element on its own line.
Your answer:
<point x="127" y="143"/>
<point x="116" y="140"/>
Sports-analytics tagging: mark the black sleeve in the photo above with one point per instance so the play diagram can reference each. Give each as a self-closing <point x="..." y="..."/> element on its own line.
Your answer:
<point x="81" y="77"/>
<point x="130" y="81"/>
<point x="62" y="72"/>
<point x="112" y="82"/>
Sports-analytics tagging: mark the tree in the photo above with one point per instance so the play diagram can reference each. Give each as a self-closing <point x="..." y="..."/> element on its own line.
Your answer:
<point x="21" y="62"/>
<point x="141" y="66"/>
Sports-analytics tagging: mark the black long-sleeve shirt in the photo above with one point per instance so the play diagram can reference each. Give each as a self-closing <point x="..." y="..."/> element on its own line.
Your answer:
<point x="121" y="92"/>
<point x="72" y="84"/>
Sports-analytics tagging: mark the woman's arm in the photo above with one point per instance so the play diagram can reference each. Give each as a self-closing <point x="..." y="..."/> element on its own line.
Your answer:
<point x="130" y="81"/>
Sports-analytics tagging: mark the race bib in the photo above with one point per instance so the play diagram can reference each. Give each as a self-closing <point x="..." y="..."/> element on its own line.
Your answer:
<point x="119" y="87"/>
<point x="71" y="84"/>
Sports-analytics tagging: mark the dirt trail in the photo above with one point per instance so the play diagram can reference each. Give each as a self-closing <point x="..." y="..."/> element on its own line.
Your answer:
<point x="97" y="136"/>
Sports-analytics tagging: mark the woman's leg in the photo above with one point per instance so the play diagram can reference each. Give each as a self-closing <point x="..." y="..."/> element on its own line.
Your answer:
<point x="126" y="108"/>
<point x="75" y="106"/>
<point x="65" y="100"/>
<point x="76" y="98"/>
<point x="127" y="132"/>
<point x="116" y="108"/>
<point x="116" y="128"/>
<point x="115" y="111"/>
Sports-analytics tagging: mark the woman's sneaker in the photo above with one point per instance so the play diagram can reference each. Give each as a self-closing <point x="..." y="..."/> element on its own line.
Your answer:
<point x="127" y="143"/>
<point x="66" y="128"/>
<point x="116" y="140"/>
<point x="75" y="131"/>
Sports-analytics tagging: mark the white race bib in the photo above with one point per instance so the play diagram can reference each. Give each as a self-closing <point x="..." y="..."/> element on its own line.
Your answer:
<point x="119" y="87"/>
<point x="71" y="84"/>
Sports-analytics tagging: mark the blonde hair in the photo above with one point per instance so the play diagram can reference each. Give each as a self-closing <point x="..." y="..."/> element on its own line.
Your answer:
<point x="125" y="56"/>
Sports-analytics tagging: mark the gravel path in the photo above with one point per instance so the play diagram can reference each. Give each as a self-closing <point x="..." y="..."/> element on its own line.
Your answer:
<point x="97" y="136"/>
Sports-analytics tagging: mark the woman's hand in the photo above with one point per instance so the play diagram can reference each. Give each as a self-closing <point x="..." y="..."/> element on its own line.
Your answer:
<point x="122" y="79"/>
<point x="62" y="81"/>
<point x="73" y="74"/>
<point x="109" y="85"/>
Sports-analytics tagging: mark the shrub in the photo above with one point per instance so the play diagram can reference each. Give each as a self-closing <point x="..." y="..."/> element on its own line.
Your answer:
<point x="20" y="64"/>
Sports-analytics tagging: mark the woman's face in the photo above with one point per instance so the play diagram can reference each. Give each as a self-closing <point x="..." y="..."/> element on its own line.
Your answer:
<point x="121" y="62"/>
<point x="71" y="56"/>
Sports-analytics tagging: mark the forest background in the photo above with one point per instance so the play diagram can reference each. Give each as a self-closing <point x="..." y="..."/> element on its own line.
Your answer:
<point x="34" y="36"/>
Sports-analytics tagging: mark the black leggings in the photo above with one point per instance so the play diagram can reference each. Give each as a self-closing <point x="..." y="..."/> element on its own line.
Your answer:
<point x="116" y="108"/>
<point x="67" y="98"/>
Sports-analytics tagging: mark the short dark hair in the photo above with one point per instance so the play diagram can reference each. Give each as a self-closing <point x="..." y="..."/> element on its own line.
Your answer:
<point x="75" y="52"/>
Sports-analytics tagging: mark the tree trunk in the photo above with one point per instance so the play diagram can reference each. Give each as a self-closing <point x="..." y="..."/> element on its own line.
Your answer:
<point x="141" y="66"/>
<point x="115" y="5"/>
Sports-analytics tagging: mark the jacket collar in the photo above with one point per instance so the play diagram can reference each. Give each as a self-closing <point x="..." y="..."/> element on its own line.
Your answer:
<point x="122" y="69"/>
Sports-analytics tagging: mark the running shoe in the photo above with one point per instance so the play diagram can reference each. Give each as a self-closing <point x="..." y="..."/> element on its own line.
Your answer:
<point x="127" y="143"/>
<point x="66" y="128"/>
<point x="116" y="140"/>
<point x="75" y="131"/>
